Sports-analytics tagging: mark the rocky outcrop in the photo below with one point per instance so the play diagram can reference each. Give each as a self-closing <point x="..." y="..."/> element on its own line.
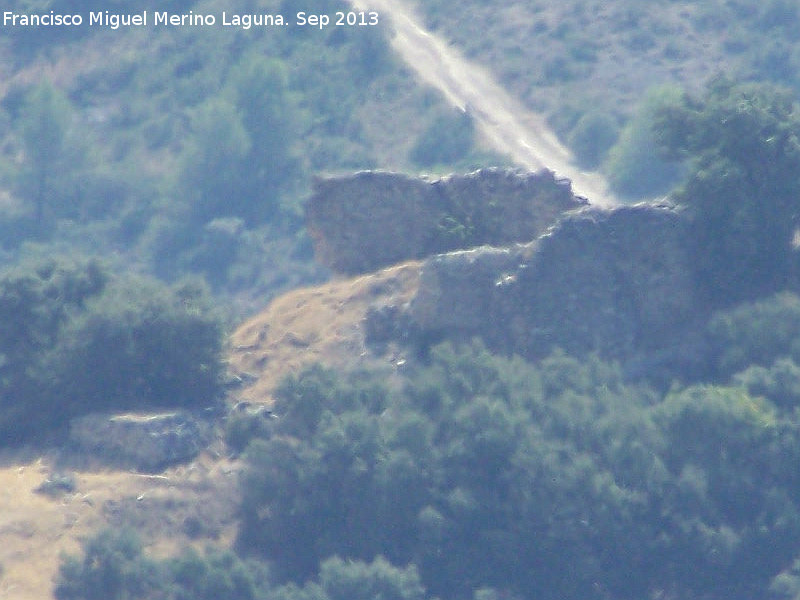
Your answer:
<point x="147" y="443"/>
<point x="372" y="219"/>
<point x="618" y="282"/>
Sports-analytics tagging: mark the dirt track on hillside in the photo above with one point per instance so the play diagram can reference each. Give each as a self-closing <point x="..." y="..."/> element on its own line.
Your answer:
<point x="505" y="124"/>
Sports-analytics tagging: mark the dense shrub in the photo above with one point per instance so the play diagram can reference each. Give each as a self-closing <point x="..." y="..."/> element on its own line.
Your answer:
<point x="744" y="145"/>
<point x="496" y="478"/>
<point x="634" y="165"/>
<point x="447" y="139"/>
<point x="36" y="302"/>
<point x="112" y="568"/>
<point x="75" y="340"/>
<point x="139" y="345"/>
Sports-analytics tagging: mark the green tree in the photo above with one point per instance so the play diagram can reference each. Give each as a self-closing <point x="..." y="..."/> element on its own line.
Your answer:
<point x="37" y="300"/>
<point x="240" y="155"/>
<point x="729" y="509"/>
<point x="259" y="88"/>
<point x="112" y="568"/>
<point x="744" y="146"/>
<point x="213" y="169"/>
<point x="634" y="165"/>
<point x="214" y="575"/>
<point x="140" y="344"/>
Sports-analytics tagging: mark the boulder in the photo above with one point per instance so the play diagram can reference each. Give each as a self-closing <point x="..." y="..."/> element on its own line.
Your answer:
<point x="143" y="442"/>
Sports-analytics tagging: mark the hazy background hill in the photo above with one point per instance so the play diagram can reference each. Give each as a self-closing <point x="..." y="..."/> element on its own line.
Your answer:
<point x="597" y="69"/>
<point x="579" y="55"/>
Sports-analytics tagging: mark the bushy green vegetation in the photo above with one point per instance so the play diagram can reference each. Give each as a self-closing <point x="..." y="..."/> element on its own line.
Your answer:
<point x="742" y="143"/>
<point x="492" y="478"/>
<point x="757" y="333"/>
<point x="635" y="165"/>
<point x="114" y="566"/>
<point x="139" y="345"/>
<point x="560" y="480"/>
<point x="77" y="340"/>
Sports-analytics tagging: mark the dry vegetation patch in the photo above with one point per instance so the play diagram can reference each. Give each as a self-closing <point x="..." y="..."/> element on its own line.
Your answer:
<point x="318" y="324"/>
<point x="188" y="505"/>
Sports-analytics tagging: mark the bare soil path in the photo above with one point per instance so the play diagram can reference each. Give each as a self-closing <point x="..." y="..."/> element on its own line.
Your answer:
<point x="506" y="125"/>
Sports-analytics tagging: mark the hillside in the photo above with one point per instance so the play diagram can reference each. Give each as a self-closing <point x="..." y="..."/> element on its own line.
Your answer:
<point x="337" y="324"/>
<point x="504" y="123"/>
<point x="319" y="324"/>
<point x="582" y="55"/>
<point x="625" y="371"/>
<point x="592" y="68"/>
<point x="150" y="134"/>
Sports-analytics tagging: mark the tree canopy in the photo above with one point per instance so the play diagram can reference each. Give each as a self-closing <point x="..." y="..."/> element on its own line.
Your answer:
<point x="743" y="144"/>
<point x="557" y="480"/>
<point x="75" y="339"/>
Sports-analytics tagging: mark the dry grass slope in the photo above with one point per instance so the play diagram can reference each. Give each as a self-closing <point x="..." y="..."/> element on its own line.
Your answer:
<point x="36" y="529"/>
<point x="319" y="324"/>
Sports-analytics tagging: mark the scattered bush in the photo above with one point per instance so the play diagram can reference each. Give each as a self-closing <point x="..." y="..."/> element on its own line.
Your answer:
<point x="635" y="165"/>
<point x="591" y="138"/>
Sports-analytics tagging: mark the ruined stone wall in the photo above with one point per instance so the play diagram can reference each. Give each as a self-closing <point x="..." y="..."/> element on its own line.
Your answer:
<point x="369" y="220"/>
<point x="542" y="269"/>
<point x="619" y="282"/>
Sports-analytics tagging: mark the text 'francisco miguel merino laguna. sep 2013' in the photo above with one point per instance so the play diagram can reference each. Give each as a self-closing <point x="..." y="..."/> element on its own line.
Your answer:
<point x="145" y="18"/>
